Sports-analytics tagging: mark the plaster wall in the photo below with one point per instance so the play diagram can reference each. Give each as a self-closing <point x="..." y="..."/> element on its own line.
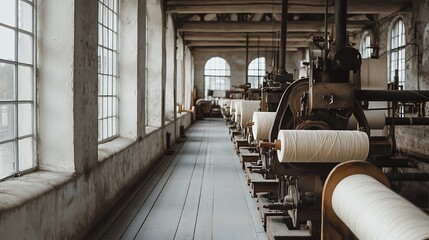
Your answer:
<point x="79" y="180"/>
<point x="238" y="65"/>
<point x="55" y="205"/>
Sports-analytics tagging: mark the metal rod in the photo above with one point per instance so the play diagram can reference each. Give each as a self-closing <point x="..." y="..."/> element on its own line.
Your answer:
<point x="340" y="23"/>
<point x="283" y="34"/>
<point x="407" y="121"/>
<point x="325" y="46"/>
<point x="247" y="57"/>
<point x="409" y="176"/>
<point x="393" y="95"/>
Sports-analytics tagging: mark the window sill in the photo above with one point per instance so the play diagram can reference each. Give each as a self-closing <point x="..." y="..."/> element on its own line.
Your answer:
<point x="20" y="190"/>
<point x="150" y="129"/>
<point x="111" y="148"/>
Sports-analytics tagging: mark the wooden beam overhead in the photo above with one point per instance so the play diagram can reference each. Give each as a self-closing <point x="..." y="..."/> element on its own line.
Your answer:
<point x="242" y="44"/>
<point x="254" y="27"/>
<point x="263" y="37"/>
<point x="212" y="6"/>
<point x="236" y="49"/>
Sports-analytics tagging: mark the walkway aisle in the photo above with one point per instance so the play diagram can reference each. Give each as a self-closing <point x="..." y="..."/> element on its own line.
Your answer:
<point x="198" y="193"/>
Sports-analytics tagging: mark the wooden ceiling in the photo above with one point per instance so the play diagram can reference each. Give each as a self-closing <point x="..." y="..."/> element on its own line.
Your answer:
<point x="213" y="24"/>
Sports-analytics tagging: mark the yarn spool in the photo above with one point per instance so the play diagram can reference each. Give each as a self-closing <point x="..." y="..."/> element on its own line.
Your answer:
<point x="247" y="109"/>
<point x="237" y="113"/>
<point x="262" y="124"/>
<point x="322" y="146"/>
<point x="232" y="108"/>
<point x="357" y="199"/>
<point x="372" y="211"/>
<point x="376" y="120"/>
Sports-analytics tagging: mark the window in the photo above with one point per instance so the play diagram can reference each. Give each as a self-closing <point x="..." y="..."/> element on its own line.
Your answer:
<point x="146" y="101"/>
<point x="17" y="87"/>
<point x="217" y="75"/>
<point x="17" y="81"/>
<point x="365" y="46"/>
<point x="107" y="69"/>
<point x="256" y="72"/>
<point x="397" y="52"/>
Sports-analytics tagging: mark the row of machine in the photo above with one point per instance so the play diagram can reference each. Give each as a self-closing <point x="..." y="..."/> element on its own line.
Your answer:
<point x="319" y="160"/>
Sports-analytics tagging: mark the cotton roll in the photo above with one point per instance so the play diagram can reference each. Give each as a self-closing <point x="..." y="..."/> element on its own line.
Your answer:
<point x="262" y="124"/>
<point x="372" y="211"/>
<point x="247" y="109"/>
<point x="376" y="120"/>
<point x="237" y="113"/>
<point x="233" y="106"/>
<point x="313" y="146"/>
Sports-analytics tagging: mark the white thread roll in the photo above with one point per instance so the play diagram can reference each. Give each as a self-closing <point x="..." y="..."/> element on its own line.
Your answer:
<point x="238" y="110"/>
<point x="376" y="120"/>
<point x="372" y="211"/>
<point x="262" y="124"/>
<point x="314" y="146"/>
<point x="247" y="109"/>
<point x="233" y="106"/>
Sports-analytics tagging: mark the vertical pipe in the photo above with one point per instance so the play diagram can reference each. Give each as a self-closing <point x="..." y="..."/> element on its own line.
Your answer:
<point x="340" y="23"/>
<point x="247" y="58"/>
<point x="325" y="47"/>
<point x="283" y="32"/>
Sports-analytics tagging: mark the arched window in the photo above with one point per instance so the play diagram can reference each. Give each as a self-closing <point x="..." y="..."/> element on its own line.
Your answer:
<point x="217" y="75"/>
<point x="256" y="72"/>
<point x="365" y="46"/>
<point x="397" y="52"/>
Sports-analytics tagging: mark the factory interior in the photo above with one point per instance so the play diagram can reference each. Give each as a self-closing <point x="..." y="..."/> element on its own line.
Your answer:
<point x="214" y="119"/>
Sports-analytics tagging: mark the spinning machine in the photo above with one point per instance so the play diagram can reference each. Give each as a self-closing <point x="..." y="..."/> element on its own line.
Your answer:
<point x="320" y="122"/>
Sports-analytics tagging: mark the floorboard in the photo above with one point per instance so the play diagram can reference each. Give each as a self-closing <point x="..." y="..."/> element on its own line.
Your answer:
<point x="198" y="193"/>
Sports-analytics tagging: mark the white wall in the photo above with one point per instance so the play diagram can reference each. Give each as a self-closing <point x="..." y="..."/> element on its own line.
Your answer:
<point x="80" y="180"/>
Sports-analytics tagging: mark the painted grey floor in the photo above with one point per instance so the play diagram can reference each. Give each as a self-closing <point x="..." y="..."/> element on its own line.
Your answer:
<point x="200" y="192"/>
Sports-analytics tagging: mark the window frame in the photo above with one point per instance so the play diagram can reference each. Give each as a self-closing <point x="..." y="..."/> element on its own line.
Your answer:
<point x="365" y="46"/>
<point x="111" y="31"/>
<point x="397" y="45"/>
<point x="15" y="101"/>
<point x="221" y="66"/>
<point x="261" y="72"/>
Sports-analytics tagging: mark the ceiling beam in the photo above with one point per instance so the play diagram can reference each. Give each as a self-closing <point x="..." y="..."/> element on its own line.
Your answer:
<point x="211" y="6"/>
<point x="244" y="27"/>
<point x="263" y="37"/>
<point x="235" y="49"/>
<point x="242" y="44"/>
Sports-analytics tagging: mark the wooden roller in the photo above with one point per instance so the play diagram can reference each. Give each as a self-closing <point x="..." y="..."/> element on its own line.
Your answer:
<point x="276" y="145"/>
<point x="249" y="124"/>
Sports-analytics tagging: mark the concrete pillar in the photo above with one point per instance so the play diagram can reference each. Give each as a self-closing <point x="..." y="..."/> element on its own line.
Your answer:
<point x="170" y="86"/>
<point x="128" y="69"/>
<point x="154" y="64"/>
<point x="67" y="84"/>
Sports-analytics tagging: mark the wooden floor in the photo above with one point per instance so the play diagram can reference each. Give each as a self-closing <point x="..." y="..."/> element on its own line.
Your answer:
<point x="200" y="192"/>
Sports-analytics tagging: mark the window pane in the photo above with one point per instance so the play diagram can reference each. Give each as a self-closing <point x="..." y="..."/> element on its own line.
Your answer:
<point x="108" y="73"/>
<point x="25" y="147"/>
<point x="7" y="122"/>
<point x="105" y="126"/>
<point x="7" y="44"/>
<point x="7" y="81"/>
<point x="25" y="16"/>
<point x="25" y="123"/>
<point x="7" y="12"/>
<point x="25" y="48"/>
<point x="25" y="83"/>
<point x="7" y="159"/>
